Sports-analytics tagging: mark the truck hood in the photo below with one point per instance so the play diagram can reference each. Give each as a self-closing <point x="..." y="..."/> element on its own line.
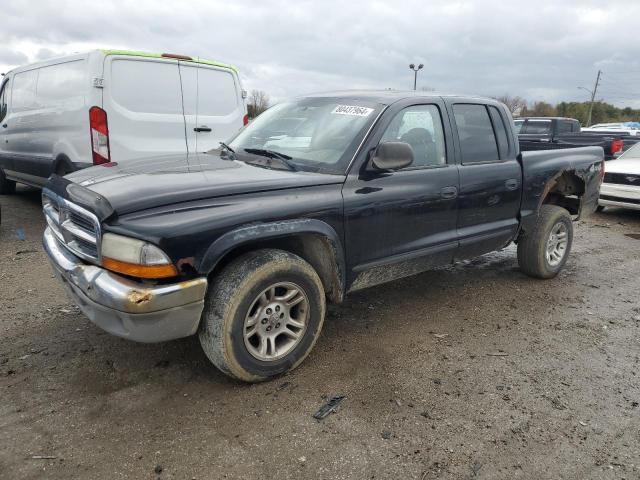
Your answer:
<point x="155" y="182"/>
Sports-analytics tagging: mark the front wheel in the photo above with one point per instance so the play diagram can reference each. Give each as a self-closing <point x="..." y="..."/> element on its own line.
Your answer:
<point x="544" y="250"/>
<point x="263" y="315"/>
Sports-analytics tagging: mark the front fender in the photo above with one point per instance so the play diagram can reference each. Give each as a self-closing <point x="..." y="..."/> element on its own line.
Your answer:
<point x="272" y="231"/>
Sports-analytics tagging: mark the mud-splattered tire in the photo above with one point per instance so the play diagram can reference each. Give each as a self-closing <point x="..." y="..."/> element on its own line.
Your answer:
<point x="235" y="297"/>
<point x="7" y="187"/>
<point x="544" y="250"/>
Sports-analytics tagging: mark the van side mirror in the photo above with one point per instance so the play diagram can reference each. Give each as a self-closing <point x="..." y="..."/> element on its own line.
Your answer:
<point x="392" y="156"/>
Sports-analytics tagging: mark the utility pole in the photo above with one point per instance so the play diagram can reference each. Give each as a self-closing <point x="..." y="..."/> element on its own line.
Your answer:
<point x="593" y="97"/>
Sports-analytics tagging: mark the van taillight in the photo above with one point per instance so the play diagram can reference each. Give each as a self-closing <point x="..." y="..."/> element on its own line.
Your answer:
<point x="99" y="135"/>
<point x="245" y="119"/>
<point x="616" y="145"/>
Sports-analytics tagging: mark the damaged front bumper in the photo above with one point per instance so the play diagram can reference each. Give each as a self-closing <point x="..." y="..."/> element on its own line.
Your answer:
<point x="126" y="308"/>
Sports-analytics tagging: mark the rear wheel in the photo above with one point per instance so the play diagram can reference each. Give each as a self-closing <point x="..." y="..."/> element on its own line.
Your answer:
<point x="7" y="187"/>
<point x="263" y="315"/>
<point x="599" y="208"/>
<point x="544" y="250"/>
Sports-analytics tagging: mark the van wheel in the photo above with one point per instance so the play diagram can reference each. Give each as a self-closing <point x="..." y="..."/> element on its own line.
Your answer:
<point x="7" y="187"/>
<point x="263" y="314"/>
<point x="543" y="252"/>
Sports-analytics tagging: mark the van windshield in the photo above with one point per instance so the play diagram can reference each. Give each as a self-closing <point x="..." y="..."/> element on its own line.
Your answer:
<point x="313" y="134"/>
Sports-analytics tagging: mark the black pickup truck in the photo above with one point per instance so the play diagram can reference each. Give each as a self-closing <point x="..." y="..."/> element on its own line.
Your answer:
<point x="553" y="133"/>
<point x="316" y="198"/>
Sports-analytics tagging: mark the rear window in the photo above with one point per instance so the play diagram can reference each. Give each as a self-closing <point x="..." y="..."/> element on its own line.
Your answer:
<point x="216" y="92"/>
<point x="146" y="86"/>
<point x="537" y="127"/>
<point x="477" y="140"/>
<point x="62" y="83"/>
<point x="3" y="99"/>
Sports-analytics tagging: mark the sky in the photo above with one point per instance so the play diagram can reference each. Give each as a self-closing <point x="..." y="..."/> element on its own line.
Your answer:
<point x="541" y="50"/>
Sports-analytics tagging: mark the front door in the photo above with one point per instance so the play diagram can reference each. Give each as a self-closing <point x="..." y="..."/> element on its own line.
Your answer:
<point x="403" y="222"/>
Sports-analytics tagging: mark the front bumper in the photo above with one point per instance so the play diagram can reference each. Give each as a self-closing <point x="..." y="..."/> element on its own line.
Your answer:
<point x="617" y="195"/>
<point x="137" y="311"/>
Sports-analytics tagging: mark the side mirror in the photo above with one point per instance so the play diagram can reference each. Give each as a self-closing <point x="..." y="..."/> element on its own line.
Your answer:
<point x="392" y="156"/>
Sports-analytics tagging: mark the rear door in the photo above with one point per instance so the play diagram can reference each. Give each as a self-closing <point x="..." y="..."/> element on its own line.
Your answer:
<point x="143" y="100"/>
<point x="213" y="105"/>
<point x="490" y="178"/>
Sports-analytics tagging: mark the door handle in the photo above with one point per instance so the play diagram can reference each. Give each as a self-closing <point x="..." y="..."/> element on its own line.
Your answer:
<point x="203" y="128"/>
<point x="449" y="193"/>
<point x="511" y="184"/>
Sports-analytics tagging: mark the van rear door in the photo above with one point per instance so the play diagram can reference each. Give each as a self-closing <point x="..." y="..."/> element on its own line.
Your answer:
<point x="143" y="100"/>
<point x="213" y="105"/>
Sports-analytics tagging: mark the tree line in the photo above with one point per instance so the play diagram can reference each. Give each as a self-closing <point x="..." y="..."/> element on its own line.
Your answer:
<point x="603" y="112"/>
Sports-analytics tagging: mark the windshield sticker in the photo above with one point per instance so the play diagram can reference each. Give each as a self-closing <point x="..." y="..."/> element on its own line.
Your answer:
<point x="352" y="110"/>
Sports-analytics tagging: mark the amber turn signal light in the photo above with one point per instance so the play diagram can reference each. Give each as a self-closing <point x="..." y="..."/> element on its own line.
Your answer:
<point x="139" y="271"/>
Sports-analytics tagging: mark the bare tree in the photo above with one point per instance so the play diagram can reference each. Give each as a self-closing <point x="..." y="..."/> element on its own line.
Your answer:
<point x="514" y="104"/>
<point x="257" y="103"/>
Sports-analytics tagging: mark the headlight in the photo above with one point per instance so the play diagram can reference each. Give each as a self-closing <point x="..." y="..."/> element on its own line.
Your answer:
<point x="134" y="257"/>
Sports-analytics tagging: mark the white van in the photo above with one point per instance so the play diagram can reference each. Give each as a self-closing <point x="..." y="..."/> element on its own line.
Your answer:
<point x="112" y="106"/>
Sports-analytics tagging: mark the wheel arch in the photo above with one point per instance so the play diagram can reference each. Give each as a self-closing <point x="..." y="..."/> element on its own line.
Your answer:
<point x="313" y="240"/>
<point x="62" y="165"/>
<point x="565" y="189"/>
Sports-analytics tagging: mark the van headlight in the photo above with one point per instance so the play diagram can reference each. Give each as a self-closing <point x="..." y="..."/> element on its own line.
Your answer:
<point x="135" y="258"/>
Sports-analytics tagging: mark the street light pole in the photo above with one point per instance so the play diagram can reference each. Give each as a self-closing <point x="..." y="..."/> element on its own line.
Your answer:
<point x="415" y="73"/>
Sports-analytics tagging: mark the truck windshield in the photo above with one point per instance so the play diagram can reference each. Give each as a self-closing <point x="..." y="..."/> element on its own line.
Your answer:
<point x="314" y="134"/>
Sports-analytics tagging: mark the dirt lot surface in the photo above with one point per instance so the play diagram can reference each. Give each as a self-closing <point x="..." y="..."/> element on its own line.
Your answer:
<point x="472" y="371"/>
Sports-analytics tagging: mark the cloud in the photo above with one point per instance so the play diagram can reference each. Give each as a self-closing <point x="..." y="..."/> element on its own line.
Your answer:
<point x="541" y="50"/>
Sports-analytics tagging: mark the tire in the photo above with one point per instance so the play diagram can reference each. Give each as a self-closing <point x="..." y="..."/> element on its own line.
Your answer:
<point x="7" y="187"/>
<point x="242" y="291"/>
<point x="600" y="208"/>
<point x="532" y="247"/>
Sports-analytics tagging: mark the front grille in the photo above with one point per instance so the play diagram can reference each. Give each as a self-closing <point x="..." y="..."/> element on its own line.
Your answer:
<point x="75" y="227"/>
<point x="622" y="179"/>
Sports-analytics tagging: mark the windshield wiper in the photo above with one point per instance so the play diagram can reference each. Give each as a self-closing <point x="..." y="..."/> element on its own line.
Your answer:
<point x="227" y="147"/>
<point x="272" y="155"/>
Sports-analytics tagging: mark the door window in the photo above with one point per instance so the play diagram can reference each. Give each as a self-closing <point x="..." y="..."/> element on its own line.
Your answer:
<point x="146" y="87"/>
<point x="421" y="127"/>
<point x="3" y="100"/>
<point x="23" y="93"/>
<point x="475" y="132"/>
<point x="565" y="126"/>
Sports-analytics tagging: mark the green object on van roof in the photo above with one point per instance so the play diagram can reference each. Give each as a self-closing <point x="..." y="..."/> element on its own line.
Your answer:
<point x="134" y="53"/>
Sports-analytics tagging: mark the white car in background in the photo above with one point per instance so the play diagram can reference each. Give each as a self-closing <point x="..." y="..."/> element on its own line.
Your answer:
<point x="621" y="185"/>
<point x="106" y="106"/>
<point x="613" y="128"/>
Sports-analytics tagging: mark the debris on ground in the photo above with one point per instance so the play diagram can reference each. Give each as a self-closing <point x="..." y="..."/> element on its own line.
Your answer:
<point x="386" y="434"/>
<point x="43" y="457"/>
<point x="329" y="407"/>
<point x="498" y="354"/>
<point x="20" y="234"/>
<point x="440" y="335"/>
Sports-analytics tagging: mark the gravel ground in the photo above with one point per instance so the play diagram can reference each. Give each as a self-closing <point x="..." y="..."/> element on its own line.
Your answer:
<point x="472" y="371"/>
